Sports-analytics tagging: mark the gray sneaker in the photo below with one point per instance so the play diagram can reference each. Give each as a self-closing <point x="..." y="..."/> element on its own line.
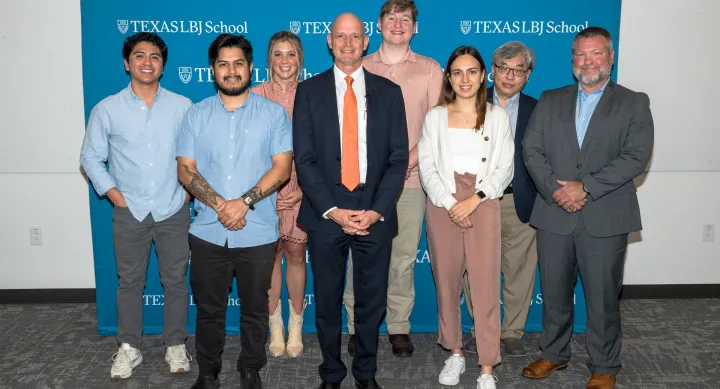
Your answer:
<point x="514" y="347"/>
<point x="470" y="346"/>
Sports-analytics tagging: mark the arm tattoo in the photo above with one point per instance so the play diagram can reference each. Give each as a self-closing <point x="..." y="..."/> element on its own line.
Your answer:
<point x="256" y="194"/>
<point x="200" y="188"/>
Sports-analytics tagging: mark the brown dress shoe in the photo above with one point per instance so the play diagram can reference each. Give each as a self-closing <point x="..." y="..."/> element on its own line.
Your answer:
<point x="601" y="381"/>
<point x="541" y="368"/>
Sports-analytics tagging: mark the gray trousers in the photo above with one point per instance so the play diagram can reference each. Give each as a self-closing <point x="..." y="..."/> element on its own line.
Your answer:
<point x="133" y="241"/>
<point x="600" y="262"/>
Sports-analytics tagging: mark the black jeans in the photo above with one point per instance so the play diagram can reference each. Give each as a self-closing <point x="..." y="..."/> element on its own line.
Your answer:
<point x="211" y="272"/>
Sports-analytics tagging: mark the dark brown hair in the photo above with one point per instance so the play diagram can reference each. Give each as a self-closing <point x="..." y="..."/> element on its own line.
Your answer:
<point x="447" y="94"/>
<point x="399" y="6"/>
<point x="592" y="32"/>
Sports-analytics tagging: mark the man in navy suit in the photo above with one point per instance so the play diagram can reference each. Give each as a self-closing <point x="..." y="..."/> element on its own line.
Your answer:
<point x="351" y="155"/>
<point x="512" y="64"/>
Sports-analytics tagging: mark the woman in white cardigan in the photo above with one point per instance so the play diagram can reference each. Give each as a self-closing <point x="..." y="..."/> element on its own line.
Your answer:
<point x="466" y="161"/>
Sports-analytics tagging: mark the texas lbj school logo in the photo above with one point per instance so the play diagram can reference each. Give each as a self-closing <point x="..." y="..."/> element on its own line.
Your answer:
<point x="122" y="26"/>
<point x="465" y="26"/>
<point x="534" y="27"/>
<point x="205" y="74"/>
<point x="324" y="28"/>
<point x="185" y="73"/>
<point x="196" y="27"/>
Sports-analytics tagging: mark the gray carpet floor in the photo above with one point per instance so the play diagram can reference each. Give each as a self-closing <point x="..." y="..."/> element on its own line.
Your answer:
<point x="667" y="344"/>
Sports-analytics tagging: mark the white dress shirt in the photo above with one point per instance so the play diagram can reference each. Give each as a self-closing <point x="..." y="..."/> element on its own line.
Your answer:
<point x="358" y="86"/>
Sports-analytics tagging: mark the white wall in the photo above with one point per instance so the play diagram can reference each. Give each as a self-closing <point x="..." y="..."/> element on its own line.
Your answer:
<point x="659" y="40"/>
<point x="42" y="124"/>
<point x="668" y="49"/>
<point x="41" y="128"/>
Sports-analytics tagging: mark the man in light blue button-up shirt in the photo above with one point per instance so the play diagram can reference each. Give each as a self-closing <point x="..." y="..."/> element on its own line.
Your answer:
<point x="584" y="108"/>
<point x="234" y="151"/>
<point x="584" y="146"/>
<point x="135" y="132"/>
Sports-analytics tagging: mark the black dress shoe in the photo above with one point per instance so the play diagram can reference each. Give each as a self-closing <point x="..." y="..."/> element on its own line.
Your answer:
<point x="250" y="379"/>
<point x="402" y="346"/>
<point x="367" y="384"/>
<point x="206" y="382"/>
<point x="329" y="385"/>
<point x="351" y="345"/>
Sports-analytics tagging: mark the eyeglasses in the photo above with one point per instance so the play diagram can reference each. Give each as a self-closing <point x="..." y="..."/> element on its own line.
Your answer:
<point x="505" y="70"/>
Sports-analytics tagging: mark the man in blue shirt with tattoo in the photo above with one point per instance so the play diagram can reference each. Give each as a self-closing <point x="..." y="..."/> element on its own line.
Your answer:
<point x="135" y="131"/>
<point x="234" y="151"/>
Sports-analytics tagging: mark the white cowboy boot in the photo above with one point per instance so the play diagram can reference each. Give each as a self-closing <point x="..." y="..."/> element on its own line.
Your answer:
<point x="295" y="322"/>
<point x="277" y="333"/>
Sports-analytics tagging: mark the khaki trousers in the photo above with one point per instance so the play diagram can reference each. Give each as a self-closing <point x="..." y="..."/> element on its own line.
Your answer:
<point x="519" y="266"/>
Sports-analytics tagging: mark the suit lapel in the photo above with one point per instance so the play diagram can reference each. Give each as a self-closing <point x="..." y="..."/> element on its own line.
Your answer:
<point x="371" y="108"/>
<point x="569" y="105"/>
<point x="332" y="119"/>
<point x="600" y="113"/>
<point x="524" y="112"/>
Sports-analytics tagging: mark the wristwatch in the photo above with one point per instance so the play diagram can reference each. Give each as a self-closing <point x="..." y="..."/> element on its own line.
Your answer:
<point x="481" y="194"/>
<point x="248" y="201"/>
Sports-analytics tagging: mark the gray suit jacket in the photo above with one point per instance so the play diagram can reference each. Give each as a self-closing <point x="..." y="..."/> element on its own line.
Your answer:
<point x="615" y="150"/>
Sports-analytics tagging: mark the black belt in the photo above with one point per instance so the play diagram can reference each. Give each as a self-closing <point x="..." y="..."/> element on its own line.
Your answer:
<point x="509" y="190"/>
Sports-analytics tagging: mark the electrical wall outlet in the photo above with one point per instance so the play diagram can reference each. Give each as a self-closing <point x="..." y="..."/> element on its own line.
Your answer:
<point x="708" y="233"/>
<point x="36" y="236"/>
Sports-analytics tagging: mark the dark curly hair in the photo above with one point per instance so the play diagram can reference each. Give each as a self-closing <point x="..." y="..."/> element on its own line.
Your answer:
<point x="150" y="37"/>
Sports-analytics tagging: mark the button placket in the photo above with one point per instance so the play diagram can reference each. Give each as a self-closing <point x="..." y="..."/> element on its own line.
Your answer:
<point x="233" y="125"/>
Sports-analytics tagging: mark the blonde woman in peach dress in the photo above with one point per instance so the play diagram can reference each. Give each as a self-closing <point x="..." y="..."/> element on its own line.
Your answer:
<point x="285" y="60"/>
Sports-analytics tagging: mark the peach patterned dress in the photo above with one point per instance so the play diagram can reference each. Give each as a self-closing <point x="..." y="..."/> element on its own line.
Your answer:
<point x="287" y="219"/>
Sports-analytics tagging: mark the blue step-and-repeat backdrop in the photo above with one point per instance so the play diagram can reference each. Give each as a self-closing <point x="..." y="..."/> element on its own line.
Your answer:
<point x="188" y="27"/>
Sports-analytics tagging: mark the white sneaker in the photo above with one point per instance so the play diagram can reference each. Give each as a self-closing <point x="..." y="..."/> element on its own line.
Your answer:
<point x="454" y="366"/>
<point x="126" y="359"/>
<point x="178" y="359"/>
<point x="486" y="381"/>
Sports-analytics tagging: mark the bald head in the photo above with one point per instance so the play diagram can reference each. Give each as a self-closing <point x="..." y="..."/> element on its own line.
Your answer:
<point x="348" y="20"/>
<point x="347" y="41"/>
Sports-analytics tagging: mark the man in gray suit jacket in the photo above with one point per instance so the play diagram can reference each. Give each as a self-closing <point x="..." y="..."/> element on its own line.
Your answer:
<point x="583" y="147"/>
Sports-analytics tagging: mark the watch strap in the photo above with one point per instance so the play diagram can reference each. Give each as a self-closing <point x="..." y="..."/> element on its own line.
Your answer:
<point x="249" y="203"/>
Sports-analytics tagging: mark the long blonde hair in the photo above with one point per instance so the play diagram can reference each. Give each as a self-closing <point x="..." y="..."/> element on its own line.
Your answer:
<point x="285" y="36"/>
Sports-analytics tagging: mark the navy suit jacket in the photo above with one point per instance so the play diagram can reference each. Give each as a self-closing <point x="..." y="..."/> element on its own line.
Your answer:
<point x="316" y="143"/>
<point x="524" y="190"/>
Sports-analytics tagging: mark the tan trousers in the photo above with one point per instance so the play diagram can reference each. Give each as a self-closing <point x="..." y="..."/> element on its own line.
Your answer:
<point x="519" y="265"/>
<point x="401" y="279"/>
<point x="453" y="251"/>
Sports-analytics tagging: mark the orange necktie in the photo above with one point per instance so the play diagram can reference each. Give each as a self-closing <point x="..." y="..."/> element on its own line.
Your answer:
<point x="350" y="156"/>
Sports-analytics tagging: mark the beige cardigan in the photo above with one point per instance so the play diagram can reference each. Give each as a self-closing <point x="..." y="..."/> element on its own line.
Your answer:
<point x="435" y="158"/>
